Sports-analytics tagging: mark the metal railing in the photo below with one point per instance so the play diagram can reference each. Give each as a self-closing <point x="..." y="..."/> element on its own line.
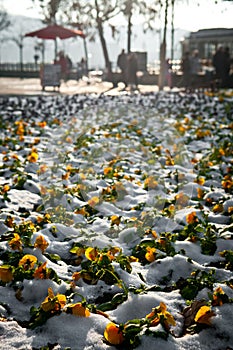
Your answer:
<point x="19" y="67"/>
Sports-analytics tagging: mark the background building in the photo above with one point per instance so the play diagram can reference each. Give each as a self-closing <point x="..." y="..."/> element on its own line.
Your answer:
<point x="206" y="41"/>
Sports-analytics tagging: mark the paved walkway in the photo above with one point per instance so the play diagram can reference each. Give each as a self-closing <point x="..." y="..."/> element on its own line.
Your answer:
<point x="17" y="86"/>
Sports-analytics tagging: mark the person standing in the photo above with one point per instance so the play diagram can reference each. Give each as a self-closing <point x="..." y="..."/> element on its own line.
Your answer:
<point x="219" y="64"/>
<point x="226" y="67"/>
<point x="186" y="69"/>
<point x="132" y="68"/>
<point x="168" y="73"/>
<point x="195" y="68"/>
<point x="122" y="64"/>
<point x="62" y="61"/>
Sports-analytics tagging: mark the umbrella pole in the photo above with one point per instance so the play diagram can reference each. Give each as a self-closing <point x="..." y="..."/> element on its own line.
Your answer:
<point x="43" y="51"/>
<point x="86" y="55"/>
<point x="55" y="44"/>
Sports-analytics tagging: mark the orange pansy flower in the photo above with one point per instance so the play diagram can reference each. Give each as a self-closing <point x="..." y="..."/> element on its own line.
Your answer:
<point x="42" y="124"/>
<point x="41" y="272"/>
<point x="191" y="218"/>
<point x="108" y="170"/>
<point x="41" y="243"/>
<point x="160" y="314"/>
<point x="77" y="275"/>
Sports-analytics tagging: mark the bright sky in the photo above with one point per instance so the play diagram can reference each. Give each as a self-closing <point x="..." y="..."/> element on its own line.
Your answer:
<point x="191" y="17"/>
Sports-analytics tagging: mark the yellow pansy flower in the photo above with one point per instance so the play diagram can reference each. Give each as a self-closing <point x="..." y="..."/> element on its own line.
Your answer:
<point x="53" y="303"/>
<point x="200" y="193"/>
<point x="182" y="199"/>
<point x="20" y="128"/>
<point x="227" y="182"/>
<point x="150" y="182"/>
<point x="5" y="188"/>
<point x="28" y="261"/>
<point x="200" y="181"/>
<point x="91" y="253"/>
<point x="218" y="208"/>
<point x="204" y="315"/>
<point x="33" y="157"/>
<point x="150" y="254"/>
<point x="113" y="334"/>
<point x="230" y="210"/>
<point x="115" y="220"/>
<point x="6" y="274"/>
<point x="82" y="212"/>
<point x="93" y="201"/>
<point x="218" y="296"/>
<point x="16" y="243"/>
<point x="78" y="309"/>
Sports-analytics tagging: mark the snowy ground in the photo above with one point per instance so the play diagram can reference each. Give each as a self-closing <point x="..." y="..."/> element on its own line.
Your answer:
<point x="144" y="180"/>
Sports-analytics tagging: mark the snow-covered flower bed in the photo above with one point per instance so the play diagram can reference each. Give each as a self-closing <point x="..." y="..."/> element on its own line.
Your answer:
<point x="116" y="222"/>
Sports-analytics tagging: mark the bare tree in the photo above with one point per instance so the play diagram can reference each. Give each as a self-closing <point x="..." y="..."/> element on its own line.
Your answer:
<point x="146" y="9"/>
<point x="4" y="24"/>
<point x="49" y="9"/>
<point x="4" y="20"/>
<point x="18" y="40"/>
<point x="91" y="17"/>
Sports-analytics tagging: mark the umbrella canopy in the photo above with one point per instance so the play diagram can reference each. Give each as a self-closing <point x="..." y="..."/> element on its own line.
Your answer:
<point x="55" y="31"/>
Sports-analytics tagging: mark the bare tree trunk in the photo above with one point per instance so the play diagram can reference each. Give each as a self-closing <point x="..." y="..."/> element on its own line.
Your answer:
<point x="172" y="30"/>
<point x="103" y="42"/>
<point x="129" y="27"/>
<point x="104" y="47"/>
<point x="163" y="51"/>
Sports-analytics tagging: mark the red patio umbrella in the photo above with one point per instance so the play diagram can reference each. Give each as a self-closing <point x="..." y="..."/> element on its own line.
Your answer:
<point x="55" y="31"/>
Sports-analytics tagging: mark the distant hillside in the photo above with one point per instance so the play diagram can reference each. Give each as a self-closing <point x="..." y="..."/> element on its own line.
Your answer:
<point x="148" y="42"/>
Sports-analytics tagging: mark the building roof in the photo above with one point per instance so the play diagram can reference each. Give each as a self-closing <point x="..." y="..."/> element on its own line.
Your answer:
<point x="212" y="33"/>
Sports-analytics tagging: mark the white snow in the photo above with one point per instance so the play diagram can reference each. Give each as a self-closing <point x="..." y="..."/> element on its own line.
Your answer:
<point x="136" y="137"/>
